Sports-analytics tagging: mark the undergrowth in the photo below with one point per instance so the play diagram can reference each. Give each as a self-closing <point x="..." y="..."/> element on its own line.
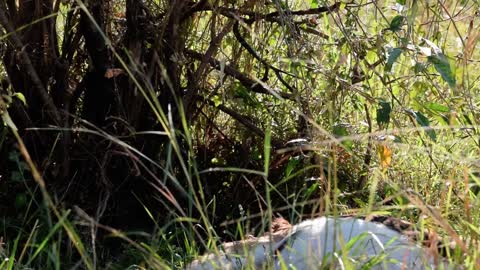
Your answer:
<point x="382" y="119"/>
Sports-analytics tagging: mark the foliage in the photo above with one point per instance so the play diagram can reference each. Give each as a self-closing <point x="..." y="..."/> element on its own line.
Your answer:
<point x="163" y="126"/>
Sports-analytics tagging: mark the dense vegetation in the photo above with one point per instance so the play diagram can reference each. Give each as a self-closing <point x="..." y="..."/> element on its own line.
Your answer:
<point x="140" y="133"/>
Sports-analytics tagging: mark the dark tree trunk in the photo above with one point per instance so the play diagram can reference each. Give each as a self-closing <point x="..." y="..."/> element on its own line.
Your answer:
<point x="99" y="90"/>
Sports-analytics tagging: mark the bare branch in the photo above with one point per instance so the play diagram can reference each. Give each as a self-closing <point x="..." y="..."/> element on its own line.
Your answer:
<point x="249" y="83"/>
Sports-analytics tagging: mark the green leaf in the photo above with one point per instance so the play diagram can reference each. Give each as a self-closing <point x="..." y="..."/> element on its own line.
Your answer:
<point x="21" y="97"/>
<point x="423" y="121"/>
<point x="291" y="165"/>
<point x="314" y="4"/>
<point x="217" y="100"/>
<point x="437" y="107"/>
<point x="442" y="65"/>
<point x="383" y="113"/>
<point x="392" y="57"/>
<point x="247" y="97"/>
<point x="341" y="130"/>
<point x="397" y="23"/>
<point x="401" y="2"/>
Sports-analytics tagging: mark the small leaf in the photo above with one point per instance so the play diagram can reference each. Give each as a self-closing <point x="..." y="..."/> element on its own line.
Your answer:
<point x="397" y="23"/>
<point x="21" y="97"/>
<point x="392" y="57"/>
<point x="217" y="100"/>
<point x="442" y="65"/>
<point x="401" y="2"/>
<point x="291" y="165"/>
<point x="383" y="113"/>
<point x="437" y="107"/>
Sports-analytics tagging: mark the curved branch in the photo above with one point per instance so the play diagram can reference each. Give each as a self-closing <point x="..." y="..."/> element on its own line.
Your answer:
<point x="256" y="16"/>
<point x="277" y="71"/>
<point x="255" y="85"/>
<point x="243" y="120"/>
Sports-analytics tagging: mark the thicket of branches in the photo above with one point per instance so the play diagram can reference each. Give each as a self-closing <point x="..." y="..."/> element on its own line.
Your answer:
<point x="128" y="69"/>
<point x="127" y="102"/>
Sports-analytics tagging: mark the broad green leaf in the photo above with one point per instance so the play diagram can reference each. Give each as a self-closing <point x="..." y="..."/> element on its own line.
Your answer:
<point x="397" y="23"/>
<point x="442" y="65"/>
<point x="436" y="107"/>
<point x="392" y="57"/>
<point x="383" y="113"/>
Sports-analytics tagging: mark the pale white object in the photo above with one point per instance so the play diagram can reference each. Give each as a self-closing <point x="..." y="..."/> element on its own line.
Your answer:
<point x="325" y="242"/>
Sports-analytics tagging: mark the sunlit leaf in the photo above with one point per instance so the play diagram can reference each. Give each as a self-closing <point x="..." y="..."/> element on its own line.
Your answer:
<point x="217" y="100"/>
<point x="21" y="97"/>
<point x="385" y="156"/>
<point x="436" y="107"/>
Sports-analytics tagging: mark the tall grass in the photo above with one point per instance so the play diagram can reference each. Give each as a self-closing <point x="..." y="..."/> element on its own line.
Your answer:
<point x="423" y="171"/>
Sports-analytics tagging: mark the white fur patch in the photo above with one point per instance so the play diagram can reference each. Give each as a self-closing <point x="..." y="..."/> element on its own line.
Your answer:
<point x="323" y="242"/>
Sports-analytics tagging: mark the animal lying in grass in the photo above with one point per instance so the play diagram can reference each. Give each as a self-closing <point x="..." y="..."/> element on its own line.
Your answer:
<point x="341" y="243"/>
